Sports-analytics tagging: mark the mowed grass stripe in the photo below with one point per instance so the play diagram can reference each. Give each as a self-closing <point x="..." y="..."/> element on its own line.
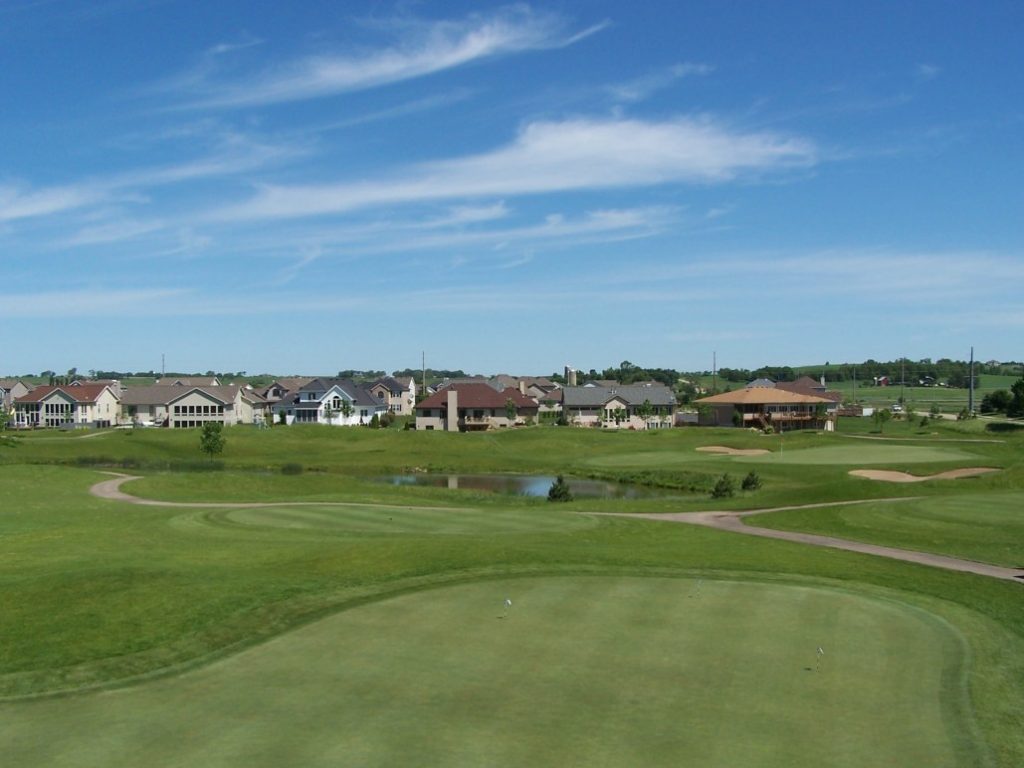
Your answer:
<point x="583" y="671"/>
<point x="403" y="520"/>
<point x="985" y="527"/>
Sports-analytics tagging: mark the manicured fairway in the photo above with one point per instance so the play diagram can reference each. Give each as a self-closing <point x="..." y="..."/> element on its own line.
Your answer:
<point x="372" y="519"/>
<point x="582" y="671"/>
<point x="987" y="527"/>
<point x="860" y="454"/>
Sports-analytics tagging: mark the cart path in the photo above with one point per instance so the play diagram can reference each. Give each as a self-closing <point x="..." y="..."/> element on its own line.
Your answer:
<point x="724" y="521"/>
<point x="111" y="490"/>
<point x="733" y="521"/>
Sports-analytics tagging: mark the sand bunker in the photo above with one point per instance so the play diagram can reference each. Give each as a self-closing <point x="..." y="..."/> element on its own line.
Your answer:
<point x="890" y="476"/>
<point x="732" y="451"/>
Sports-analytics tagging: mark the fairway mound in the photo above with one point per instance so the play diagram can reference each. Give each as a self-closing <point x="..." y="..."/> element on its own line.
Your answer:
<point x="891" y="476"/>
<point x="732" y="451"/>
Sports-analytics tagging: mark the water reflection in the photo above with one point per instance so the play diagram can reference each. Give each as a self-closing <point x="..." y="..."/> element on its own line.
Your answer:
<point x="527" y="485"/>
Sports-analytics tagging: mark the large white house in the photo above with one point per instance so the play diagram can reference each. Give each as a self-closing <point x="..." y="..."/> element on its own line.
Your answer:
<point x="337" y="402"/>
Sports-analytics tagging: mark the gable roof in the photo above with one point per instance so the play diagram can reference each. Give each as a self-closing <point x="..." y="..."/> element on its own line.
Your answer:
<point x="593" y="396"/>
<point x="477" y="395"/>
<point x="81" y="393"/>
<point x="321" y="386"/>
<point x="393" y="386"/>
<point x="761" y="396"/>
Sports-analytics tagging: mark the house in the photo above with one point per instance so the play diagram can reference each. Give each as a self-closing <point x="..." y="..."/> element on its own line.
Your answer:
<point x="531" y="386"/>
<point x="11" y="389"/>
<point x="182" y="407"/>
<point x="474" y="406"/>
<point x="805" y="385"/>
<point x="768" y="407"/>
<point x="399" y="397"/>
<point x="82" y="405"/>
<point x="279" y="388"/>
<point x="621" y="406"/>
<point x="200" y="381"/>
<point x="337" y="402"/>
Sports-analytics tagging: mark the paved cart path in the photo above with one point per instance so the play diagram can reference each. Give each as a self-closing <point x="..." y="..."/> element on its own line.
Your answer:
<point x="733" y="521"/>
<point x="725" y="521"/>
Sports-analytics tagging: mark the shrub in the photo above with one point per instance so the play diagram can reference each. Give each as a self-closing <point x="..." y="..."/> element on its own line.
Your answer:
<point x="724" y="488"/>
<point x="291" y="468"/>
<point x="375" y="422"/>
<point x="751" y="482"/>
<point x="559" y="490"/>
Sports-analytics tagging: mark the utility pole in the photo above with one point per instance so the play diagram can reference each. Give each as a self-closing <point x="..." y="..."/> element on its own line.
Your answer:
<point x="163" y="365"/>
<point x="970" y="385"/>
<point x="714" y="373"/>
<point x="903" y="379"/>
<point x="424" y="380"/>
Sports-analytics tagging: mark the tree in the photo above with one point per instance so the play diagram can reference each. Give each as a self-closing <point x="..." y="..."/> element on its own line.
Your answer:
<point x="1016" y="407"/>
<point x="751" y="482"/>
<point x="882" y="415"/>
<point x="996" y="402"/>
<point x="559" y="490"/>
<point x="511" y="410"/>
<point x="724" y="488"/>
<point x="375" y="422"/>
<point x="211" y="439"/>
<point x="346" y="409"/>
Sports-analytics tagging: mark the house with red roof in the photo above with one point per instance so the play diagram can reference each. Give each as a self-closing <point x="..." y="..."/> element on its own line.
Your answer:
<point x="68" y="407"/>
<point x="474" y="406"/>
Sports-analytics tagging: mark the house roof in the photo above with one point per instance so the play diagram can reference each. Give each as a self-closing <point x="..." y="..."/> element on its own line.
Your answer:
<point x="193" y="381"/>
<point x="761" y="396"/>
<point x="393" y="386"/>
<point x="477" y="395"/>
<point x="81" y="393"/>
<point x="164" y="394"/>
<point x="805" y="385"/>
<point x="359" y="395"/>
<point x="593" y="396"/>
<point x="9" y="384"/>
<point x="288" y="384"/>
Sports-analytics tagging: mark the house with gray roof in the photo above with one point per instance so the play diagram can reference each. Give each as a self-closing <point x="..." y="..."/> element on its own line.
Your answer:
<point x="336" y="402"/>
<point x="182" y="407"/>
<point x="10" y="389"/>
<point x="622" y="406"/>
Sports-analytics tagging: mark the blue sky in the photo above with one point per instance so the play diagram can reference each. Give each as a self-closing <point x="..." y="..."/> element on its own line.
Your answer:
<point x="309" y="187"/>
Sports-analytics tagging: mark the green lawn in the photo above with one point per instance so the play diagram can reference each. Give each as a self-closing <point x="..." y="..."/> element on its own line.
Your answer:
<point x="986" y="527"/>
<point x="143" y="602"/>
<point x="579" y="672"/>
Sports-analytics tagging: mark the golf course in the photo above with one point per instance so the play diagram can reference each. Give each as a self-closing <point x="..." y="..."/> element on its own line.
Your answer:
<point x="282" y="605"/>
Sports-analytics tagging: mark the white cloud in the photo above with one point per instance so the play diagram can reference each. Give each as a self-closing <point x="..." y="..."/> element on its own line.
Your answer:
<point x="556" y="157"/>
<point x="19" y="203"/>
<point x="641" y="88"/>
<point x="425" y="48"/>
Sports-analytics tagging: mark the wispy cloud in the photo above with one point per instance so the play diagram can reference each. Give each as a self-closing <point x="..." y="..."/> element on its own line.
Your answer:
<point x="233" y="153"/>
<point x="423" y="49"/>
<point x="641" y="88"/>
<point x="556" y="157"/>
<point x="85" y="302"/>
<point x="927" y="71"/>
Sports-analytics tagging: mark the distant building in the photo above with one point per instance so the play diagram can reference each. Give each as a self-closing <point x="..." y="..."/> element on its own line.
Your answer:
<point x="474" y="406"/>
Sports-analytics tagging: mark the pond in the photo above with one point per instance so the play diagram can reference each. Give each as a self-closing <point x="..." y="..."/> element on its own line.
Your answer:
<point x="528" y="485"/>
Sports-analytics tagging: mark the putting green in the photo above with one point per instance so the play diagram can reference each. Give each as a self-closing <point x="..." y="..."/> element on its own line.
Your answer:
<point x="582" y="671"/>
<point x="376" y="519"/>
<point x="859" y="455"/>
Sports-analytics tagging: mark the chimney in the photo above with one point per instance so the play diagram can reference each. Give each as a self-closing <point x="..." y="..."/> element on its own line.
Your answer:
<point x="452" y="420"/>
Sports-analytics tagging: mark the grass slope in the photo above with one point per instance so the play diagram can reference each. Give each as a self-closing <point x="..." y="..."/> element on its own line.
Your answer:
<point x="724" y="676"/>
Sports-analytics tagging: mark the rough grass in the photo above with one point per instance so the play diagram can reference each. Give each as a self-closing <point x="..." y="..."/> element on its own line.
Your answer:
<point x="579" y="671"/>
